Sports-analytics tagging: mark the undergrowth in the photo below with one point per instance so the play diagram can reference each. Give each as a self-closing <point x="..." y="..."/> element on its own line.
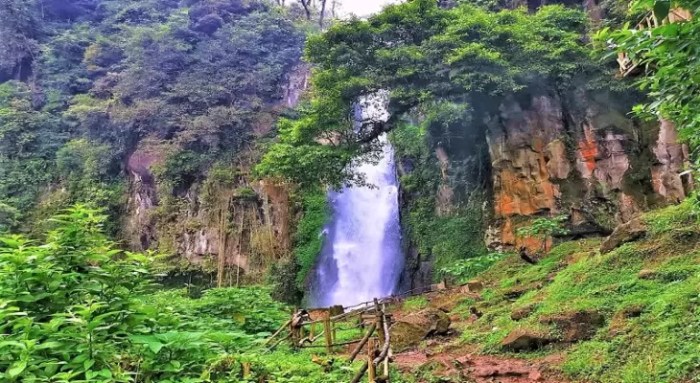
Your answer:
<point x="648" y="292"/>
<point x="77" y="309"/>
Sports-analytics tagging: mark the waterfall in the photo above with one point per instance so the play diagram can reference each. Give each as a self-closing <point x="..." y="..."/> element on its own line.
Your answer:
<point x="361" y="257"/>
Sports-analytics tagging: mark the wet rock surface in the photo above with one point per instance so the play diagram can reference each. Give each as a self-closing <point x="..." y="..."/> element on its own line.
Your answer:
<point x="592" y="163"/>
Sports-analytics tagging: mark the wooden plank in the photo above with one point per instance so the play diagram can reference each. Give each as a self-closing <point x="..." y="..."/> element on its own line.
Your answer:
<point x="278" y="331"/>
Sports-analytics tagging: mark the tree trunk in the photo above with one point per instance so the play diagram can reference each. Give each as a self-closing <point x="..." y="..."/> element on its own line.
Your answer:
<point x="323" y="13"/>
<point x="307" y="8"/>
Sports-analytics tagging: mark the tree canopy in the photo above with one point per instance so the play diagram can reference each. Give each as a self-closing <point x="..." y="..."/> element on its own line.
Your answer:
<point x="83" y="82"/>
<point x="453" y="64"/>
<point x="668" y="54"/>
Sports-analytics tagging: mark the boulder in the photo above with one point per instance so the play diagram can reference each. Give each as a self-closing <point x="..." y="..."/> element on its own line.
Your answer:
<point x="410" y="330"/>
<point x="522" y="312"/>
<point x="525" y="340"/>
<point x="576" y="326"/>
<point x="473" y="286"/>
<point x="627" y="232"/>
<point x="515" y="293"/>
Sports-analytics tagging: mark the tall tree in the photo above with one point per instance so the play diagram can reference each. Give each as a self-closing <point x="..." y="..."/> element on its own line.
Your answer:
<point x="307" y="8"/>
<point x="18" y="29"/>
<point x="323" y="13"/>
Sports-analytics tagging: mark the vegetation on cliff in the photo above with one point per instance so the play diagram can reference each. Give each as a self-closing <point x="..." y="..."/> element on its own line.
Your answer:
<point x="666" y="53"/>
<point x="453" y="66"/>
<point x="195" y="88"/>
<point x="447" y="71"/>
<point x="86" y="83"/>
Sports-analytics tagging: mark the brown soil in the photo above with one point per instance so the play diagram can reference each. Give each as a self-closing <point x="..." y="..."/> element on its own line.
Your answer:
<point x="481" y="368"/>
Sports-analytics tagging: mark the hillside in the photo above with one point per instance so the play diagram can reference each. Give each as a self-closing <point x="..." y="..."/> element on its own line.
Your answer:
<point x="579" y="315"/>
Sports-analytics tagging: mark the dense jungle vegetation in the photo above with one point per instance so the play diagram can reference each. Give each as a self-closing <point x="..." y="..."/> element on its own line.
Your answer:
<point x="84" y="82"/>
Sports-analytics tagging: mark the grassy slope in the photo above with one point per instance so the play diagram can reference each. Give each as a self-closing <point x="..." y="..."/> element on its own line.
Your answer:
<point x="659" y="343"/>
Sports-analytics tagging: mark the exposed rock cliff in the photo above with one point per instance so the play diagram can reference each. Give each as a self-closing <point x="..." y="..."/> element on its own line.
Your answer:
<point x="579" y="156"/>
<point x="240" y="225"/>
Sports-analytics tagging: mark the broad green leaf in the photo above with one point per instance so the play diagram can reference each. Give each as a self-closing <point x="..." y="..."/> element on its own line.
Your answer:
<point x="17" y="368"/>
<point x="661" y="9"/>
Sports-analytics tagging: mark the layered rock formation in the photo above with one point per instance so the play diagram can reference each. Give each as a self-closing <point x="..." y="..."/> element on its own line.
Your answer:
<point x="241" y="225"/>
<point x="578" y="156"/>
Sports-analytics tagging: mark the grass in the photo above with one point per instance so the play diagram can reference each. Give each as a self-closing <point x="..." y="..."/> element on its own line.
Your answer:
<point x="415" y="303"/>
<point x="648" y="291"/>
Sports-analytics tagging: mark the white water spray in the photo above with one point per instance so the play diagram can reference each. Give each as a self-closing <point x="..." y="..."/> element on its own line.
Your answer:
<point x="362" y="257"/>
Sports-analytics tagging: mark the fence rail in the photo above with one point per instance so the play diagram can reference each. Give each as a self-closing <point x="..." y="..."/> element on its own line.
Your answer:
<point x="370" y="317"/>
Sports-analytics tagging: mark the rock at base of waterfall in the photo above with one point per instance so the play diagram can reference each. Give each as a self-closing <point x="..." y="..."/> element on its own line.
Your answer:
<point x="410" y="330"/>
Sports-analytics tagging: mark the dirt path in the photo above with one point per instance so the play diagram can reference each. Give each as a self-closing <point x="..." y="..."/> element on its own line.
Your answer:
<point x="480" y="368"/>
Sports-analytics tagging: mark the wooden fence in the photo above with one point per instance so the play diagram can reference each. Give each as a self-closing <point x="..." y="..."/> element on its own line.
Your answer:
<point x="371" y="318"/>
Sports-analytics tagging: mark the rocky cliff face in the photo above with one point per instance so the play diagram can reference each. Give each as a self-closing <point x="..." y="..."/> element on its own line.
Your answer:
<point x="580" y="156"/>
<point x="241" y="225"/>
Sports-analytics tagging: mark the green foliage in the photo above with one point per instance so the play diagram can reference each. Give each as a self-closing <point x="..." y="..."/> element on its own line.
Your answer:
<point x="465" y="269"/>
<point x="8" y="217"/>
<point x="449" y="239"/>
<point x="28" y="137"/>
<point x="109" y="75"/>
<point x="77" y="309"/>
<point x="181" y="169"/>
<point x="88" y="171"/>
<point x="647" y="290"/>
<point x="415" y="303"/>
<point x="66" y="304"/>
<point x="666" y="54"/>
<point x="544" y="228"/>
<point x="673" y="217"/>
<point x="308" y="238"/>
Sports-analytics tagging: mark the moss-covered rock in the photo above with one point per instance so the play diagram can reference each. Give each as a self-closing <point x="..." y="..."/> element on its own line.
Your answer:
<point x="410" y="330"/>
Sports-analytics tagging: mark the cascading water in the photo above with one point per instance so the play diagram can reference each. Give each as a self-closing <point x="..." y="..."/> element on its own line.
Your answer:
<point x="362" y="258"/>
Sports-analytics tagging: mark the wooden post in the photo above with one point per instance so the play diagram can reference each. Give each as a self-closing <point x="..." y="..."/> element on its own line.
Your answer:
<point x="246" y="369"/>
<point x="387" y="319"/>
<point x="371" y="368"/>
<point x="294" y="331"/>
<point x="327" y="331"/>
<point x="379" y="320"/>
<point x="386" y="369"/>
<point x="333" y="331"/>
<point x="362" y="342"/>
